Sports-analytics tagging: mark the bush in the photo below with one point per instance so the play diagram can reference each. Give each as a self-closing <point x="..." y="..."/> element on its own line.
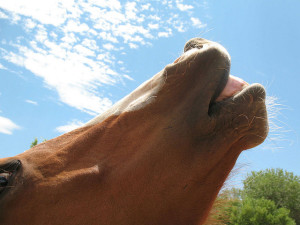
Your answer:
<point x="259" y="212"/>
<point x="281" y="187"/>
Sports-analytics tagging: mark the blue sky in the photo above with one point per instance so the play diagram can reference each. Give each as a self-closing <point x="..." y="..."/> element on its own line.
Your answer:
<point x="62" y="62"/>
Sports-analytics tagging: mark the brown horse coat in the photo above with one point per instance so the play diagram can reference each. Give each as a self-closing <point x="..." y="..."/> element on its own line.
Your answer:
<point x="157" y="157"/>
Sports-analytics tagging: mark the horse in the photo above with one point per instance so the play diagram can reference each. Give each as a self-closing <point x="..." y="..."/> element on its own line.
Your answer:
<point x="159" y="156"/>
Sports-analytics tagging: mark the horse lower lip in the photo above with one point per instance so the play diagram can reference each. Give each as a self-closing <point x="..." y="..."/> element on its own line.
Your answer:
<point x="234" y="85"/>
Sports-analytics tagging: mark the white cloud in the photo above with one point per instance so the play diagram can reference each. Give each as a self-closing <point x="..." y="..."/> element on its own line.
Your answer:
<point x="128" y="77"/>
<point x="168" y="3"/>
<point x="180" y="28"/>
<point x="73" y="45"/>
<point x="108" y="46"/>
<point x="106" y="36"/>
<point x="41" y="34"/>
<point x="76" y="26"/>
<point x="81" y="50"/>
<point x="15" y="18"/>
<point x="197" y="23"/>
<point x="91" y="44"/>
<point x="146" y="6"/>
<point x="47" y="12"/>
<point x="7" y="126"/>
<point x="163" y="34"/>
<point x="31" y="102"/>
<point x="30" y="24"/>
<point x="153" y="26"/>
<point x="132" y="45"/>
<point x="183" y="7"/>
<point x="154" y="17"/>
<point x="131" y="10"/>
<point x="69" y="39"/>
<point x="75" y="77"/>
<point x="53" y="35"/>
<point x="3" y="16"/>
<point x="128" y="31"/>
<point x="2" y="67"/>
<point x="84" y="100"/>
<point x="166" y="34"/>
<point x="69" y="127"/>
<point x="112" y="4"/>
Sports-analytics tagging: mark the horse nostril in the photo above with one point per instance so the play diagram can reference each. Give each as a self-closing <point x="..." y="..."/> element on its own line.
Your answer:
<point x="195" y="43"/>
<point x="3" y="181"/>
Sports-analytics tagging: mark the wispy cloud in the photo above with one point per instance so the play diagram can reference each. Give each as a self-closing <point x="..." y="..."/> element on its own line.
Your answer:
<point x="50" y="12"/>
<point x="7" y="126"/>
<point x="197" y="23"/>
<point x="31" y="102"/>
<point x="74" y="45"/>
<point x="166" y="33"/>
<point x="2" y="67"/>
<point x="183" y="7"/>
<point x="3" y="16"/>
<point x="69" y="127"/>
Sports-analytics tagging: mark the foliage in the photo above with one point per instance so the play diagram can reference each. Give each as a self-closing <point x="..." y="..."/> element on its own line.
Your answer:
<point x="222" y="208"/>
<point x="281" y="187"/>
<point x="231" y="199"/>
<point x="258" y="212"/>
<point x="35" y="142"/>
<point x="269" y="197"/>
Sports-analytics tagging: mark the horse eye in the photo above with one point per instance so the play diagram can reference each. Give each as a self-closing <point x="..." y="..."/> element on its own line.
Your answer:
<point x="7" y="172"/>
<point x="3" y="180"/>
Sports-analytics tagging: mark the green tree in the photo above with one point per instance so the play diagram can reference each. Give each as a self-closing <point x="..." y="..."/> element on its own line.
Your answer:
<point x="259" y="212"/>
<point x="34" y="143"/>
<point x="229" y="199"/>
<point x="222" y="208"/>
<point x="281" y="187"/>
